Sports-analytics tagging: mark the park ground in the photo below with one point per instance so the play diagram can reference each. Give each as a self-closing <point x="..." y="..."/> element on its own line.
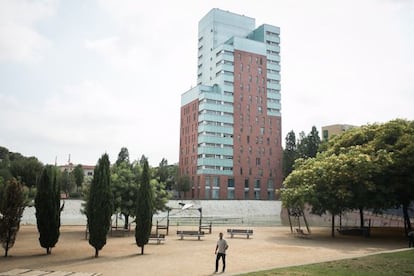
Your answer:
<point x="269" y="247"/>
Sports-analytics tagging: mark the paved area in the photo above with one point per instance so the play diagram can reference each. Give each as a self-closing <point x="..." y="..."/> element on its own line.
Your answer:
<point x="29" y="272"/>
<point x="268" y="247"/>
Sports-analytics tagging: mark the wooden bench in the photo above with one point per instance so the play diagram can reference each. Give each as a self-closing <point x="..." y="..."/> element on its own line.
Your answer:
<point x="205" y="227"/>
<point x="157" y="237"/>
<point x="120" y="230"/>
<point x="247" y="232"/>
<point x="301" y="233"/>
<point x="364" y="231"/>
<point x="197" y="234"/>
<point x="162" y="226"/>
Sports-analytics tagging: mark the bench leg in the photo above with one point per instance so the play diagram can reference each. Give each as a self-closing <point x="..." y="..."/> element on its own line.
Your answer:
<point x="247" y="235"/>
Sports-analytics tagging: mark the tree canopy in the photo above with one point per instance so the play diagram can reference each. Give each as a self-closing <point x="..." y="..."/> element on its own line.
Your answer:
<point x="13" y="200"/>
<point x="48" y="209"/>
<point x="126" y="179"/>
<point x="306" y="146"/>
<point x="99" y="207"/>
<point x="144" y="212"/>
<point x="370" y="167"/>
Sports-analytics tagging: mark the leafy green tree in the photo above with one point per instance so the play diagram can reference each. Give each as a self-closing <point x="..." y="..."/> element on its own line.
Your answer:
<point x="100" y="205"/>
<point x="397" y="138"/>
<point x="67" y="180"/>
<point x="313" y="142"/>
<point x="124" y="189"/>
<point x="367" y="167"/>
<point x="5" y="164"/>
<point x="12" y="204"/>
<point x="4" y="153"/>
<point x="126" y="179"/>
<point x="182" y="185"/>
<point x="302" y="145"/>
<point x="123" y="156"/>
<point x="289" y="153"/>
<point x="172" y="175"/>
<point x="79" y="175"/>
<point x="143" y="160"/>
<point x="144" y="210"/>
<point x="48" y="209"/>
<point x="26" y="169"/>
<point x="161" y="195"/>
<point x="162" y="171"/>
<point x="167" y="174"/>
<point x="308" y="145"/>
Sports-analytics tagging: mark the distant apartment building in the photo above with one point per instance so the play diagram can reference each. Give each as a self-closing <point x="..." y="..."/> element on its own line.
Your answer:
<point x="331" y="130"/>
<point x="230" y="129"/>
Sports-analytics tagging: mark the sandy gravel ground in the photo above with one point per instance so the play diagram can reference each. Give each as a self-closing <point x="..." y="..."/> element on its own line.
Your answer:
<point x="268" y="248"/>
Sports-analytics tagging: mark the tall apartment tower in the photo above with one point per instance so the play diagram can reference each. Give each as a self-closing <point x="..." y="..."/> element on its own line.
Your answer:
<point x="230" y="131"/>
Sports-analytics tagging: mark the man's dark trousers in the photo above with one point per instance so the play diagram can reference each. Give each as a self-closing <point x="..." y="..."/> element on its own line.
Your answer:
<point x="223" y="256"/>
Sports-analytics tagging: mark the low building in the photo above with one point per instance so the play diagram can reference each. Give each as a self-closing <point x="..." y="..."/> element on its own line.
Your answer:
<point x="87" y="169"/>
<point x="331" y="130"/>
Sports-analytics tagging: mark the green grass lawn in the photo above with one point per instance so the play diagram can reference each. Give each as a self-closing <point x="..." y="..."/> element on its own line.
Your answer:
<point x="398" y="263"/>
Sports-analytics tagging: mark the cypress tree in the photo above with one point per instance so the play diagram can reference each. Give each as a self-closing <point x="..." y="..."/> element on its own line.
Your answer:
<point x="144" y="209"/>
<point x="47" y="204"/>
<point x="100" y="205"/>
<point x="12" y="204"/>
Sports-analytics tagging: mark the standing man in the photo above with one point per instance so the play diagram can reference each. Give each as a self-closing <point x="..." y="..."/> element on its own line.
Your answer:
<point x="410" y="239"/>
<point x="221" y="248"/>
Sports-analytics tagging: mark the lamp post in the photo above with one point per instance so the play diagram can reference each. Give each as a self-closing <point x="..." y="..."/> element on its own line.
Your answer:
<point x="201" y="217"/>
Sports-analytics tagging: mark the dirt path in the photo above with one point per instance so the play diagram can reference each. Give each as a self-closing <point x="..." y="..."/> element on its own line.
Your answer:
<point x="269" y="247"/>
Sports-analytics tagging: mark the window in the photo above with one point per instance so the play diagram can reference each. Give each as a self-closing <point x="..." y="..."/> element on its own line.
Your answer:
<point x="270" y="195"/>
<point x="230" y="193"/>
<point x="270" y="184"/>
<point x="208" y="193"/>
<point x="216" y="181"/>
<point x="216" y="193"/>
<point x="246" y="183"/>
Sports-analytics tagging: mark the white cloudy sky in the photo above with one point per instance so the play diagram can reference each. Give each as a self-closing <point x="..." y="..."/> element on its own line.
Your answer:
<point x="86" y="77"/>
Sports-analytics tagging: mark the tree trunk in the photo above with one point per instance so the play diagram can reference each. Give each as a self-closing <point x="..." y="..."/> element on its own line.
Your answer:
<point x="126" y="216"/>
<point x="96" y="253"/>
<point x="361" y="216"/>
<point x="333" y="227"/>
<point x="407" y="223"/>
<point x="142" y="250"/>
<point x="6" y="249"/>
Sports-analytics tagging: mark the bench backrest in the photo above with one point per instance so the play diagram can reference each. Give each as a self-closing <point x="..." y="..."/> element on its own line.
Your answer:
<point x="242" y="231"/>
